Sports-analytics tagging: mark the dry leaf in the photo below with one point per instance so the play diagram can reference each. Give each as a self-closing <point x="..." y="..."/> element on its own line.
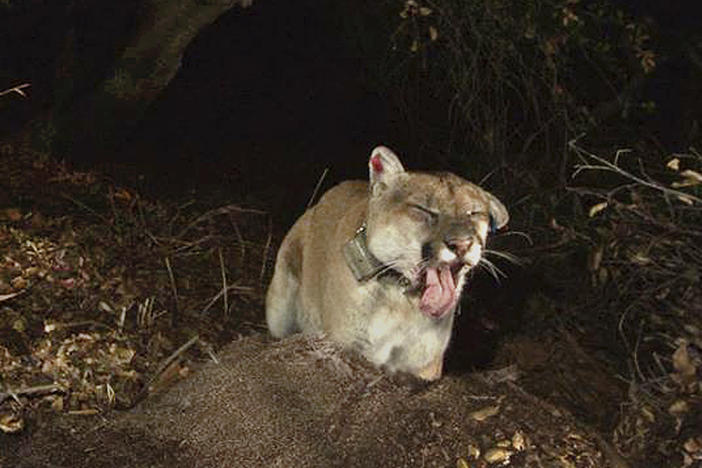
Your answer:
<point x="681" y="361"/>
<point x="123" y="194"/>
<point x="473" y="451"/>
<point x="594" y="209"/>
<point x="673" y="164"/>
<point x="11" y="214"/>
<point x="648" y="415"/>
<point x="692" y="175"/>
<point x="484" y="413"/>
<point x="57" y="404"/>
<point x="693" y="445"/>
<point x="497" y="455"/>
<point x="10" y="423"/>
<point x="639" y="258"/>
<point x="691" y="179"/>
<point x="433" y="33"/>
<point x="19" y="283"/>
<point x="518" y="441"/>
<point x="685" y="200"/>
<point x="678" y="407"/>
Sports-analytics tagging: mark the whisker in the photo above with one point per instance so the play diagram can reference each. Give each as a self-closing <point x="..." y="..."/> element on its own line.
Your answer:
<point x="490" y="267"/>
<point x="505" y="255"/>
<point x="483" y="266"/>
<point x="516" y="233"/>
<point x="387" y="267"/>
<point x="490" y="271"/>
<point x="391" y="265"/>
<point x="422" y="264"/>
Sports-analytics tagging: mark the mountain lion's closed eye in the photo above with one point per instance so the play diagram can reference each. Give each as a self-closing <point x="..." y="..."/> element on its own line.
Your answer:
<point x="379" y="266"/>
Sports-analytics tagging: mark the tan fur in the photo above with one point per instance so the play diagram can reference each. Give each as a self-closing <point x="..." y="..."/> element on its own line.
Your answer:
<point x="415" y="221"/>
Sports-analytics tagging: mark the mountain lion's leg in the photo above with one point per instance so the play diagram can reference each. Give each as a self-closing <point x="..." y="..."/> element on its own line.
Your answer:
<point x="281" y="298"/>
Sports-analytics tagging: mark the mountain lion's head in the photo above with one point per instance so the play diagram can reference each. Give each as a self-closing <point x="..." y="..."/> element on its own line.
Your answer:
<point x="431" y="228"/>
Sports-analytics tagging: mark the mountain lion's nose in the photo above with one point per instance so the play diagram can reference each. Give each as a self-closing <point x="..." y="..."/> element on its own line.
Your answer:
<point x="459" y="246"/>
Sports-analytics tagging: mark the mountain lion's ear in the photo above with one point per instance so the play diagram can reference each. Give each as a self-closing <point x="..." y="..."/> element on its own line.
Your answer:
<point x="498" y="213"/>
<point x="383" y="165"/>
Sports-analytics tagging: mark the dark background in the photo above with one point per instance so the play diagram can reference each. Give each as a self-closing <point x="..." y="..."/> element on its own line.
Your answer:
<point x="268" y="97"/>
<point x="272" y="95"/>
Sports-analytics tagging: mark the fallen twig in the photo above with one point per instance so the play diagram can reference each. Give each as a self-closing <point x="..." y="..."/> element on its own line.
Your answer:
<point x="16" y="89"/>
<point x="52" y="326"/>
<point x="240" y="238"/>
<point x="86" y="207"/>
<point x="266" y="249"/>
<point x="162" y="367"/>
<point x="224" y="291"/>
<point x="7" y="297"/>
<point x="224" y="283"/>
<point x="50" y="388"/>
<point x="218" y="211"/>
<point x="174" y="289"/>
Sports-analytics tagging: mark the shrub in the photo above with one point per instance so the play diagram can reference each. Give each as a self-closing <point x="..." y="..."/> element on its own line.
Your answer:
<point x="520" y="78"/>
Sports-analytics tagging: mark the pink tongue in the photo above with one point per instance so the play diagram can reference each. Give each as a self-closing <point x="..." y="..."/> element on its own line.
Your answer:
<point x="440" y="294"/>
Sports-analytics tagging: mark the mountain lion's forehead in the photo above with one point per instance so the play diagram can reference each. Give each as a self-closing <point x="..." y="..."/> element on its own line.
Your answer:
<point x="443" y="192"/>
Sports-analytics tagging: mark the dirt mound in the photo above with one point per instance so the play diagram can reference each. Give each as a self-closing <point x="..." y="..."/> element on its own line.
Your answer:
<point x="302" y="402"/>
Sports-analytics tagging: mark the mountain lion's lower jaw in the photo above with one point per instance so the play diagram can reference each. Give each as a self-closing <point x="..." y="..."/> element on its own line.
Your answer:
<point x="327" y="281"/>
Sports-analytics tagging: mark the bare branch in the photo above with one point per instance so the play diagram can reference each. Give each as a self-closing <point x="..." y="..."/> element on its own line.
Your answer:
<point x="604" y="165"/>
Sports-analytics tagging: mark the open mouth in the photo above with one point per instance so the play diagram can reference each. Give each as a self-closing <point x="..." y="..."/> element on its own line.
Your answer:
<point x="439" y="289"/>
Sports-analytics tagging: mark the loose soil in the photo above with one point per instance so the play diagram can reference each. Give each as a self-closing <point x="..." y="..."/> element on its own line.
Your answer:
<point x="303" y="402"/>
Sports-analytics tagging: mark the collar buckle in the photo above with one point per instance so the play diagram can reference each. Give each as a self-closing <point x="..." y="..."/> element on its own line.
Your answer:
<point x="363" y="264"/>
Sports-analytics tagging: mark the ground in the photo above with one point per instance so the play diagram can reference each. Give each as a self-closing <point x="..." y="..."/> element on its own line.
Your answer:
<point x="132" y="334"/>
<point x="303" y="402"/>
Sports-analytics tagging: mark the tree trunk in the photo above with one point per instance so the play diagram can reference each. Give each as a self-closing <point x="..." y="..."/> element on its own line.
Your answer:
<point x="101" y="119"/>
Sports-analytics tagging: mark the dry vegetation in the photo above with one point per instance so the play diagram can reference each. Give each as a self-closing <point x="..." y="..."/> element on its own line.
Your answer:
<point x="106" y="296"/>
<point x="645" y="262"/>
<point x="613" y="322"/>
<point x="107" y="299"/>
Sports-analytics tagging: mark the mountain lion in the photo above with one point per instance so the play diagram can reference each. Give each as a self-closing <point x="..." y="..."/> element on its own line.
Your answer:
<point x="380" y="267"/>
